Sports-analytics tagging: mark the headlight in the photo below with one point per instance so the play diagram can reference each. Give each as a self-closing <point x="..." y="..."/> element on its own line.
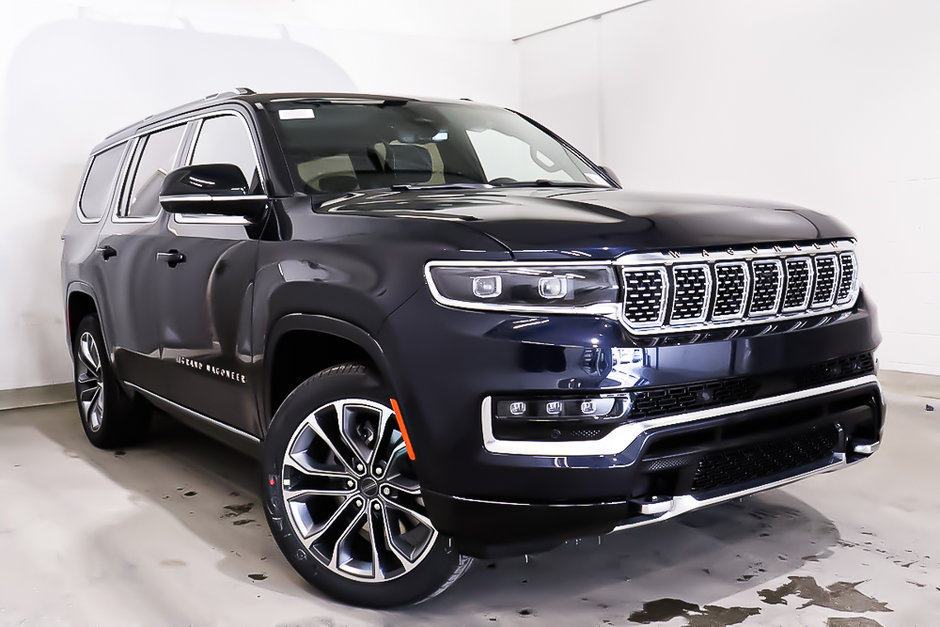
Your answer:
<point x="526" y="288"/>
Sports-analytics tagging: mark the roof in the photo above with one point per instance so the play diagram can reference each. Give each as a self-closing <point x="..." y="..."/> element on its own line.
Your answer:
<point x="249" y="97"/>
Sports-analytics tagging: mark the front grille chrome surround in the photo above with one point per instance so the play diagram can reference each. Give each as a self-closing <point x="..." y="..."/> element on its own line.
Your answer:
<point x="673" y="292"/>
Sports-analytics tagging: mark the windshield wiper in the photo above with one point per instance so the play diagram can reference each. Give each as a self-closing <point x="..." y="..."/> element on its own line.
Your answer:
<point x="550" y="183"/>
<point x="409" y="186"/>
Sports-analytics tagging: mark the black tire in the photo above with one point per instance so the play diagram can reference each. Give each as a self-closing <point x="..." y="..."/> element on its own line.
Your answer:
<point x="365" y="498"/>
<point x="110" y="418"/>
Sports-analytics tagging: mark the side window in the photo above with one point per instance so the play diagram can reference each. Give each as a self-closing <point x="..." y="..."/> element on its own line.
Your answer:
<point x="96" y="192"/>
<point x="225" y="139"/>
<point x="157" y="154"/>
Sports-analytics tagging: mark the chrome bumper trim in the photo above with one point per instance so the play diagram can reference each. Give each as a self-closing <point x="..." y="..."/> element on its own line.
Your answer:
<point x="624" y="435"/>
<point x="686" y="502"/>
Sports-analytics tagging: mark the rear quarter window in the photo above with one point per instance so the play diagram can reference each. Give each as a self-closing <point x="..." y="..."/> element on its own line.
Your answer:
<point x="102" y="173"/>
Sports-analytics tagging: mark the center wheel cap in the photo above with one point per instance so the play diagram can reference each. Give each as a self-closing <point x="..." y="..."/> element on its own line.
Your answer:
<point x="369" y="487"/>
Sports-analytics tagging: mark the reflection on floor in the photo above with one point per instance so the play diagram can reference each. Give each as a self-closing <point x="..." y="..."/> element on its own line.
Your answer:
<point x="171" y="534"/>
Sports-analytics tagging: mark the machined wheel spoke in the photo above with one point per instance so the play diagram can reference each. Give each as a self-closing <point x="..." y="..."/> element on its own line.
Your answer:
<point x="326" y="526"/>
<point x="421" y="518"/>
<point x="374" y="538"/>
<point x="345" y="423"/>
<point x="305" y="493"/>
<point x="303" y="467"/>
<point x="406" y="560"/>
<point x="349" y="464"/>
<point x="88" y="353"/>
<point x="385" y="430"/>
<point x="89" y="395"/>
<point x="353" y="527"/>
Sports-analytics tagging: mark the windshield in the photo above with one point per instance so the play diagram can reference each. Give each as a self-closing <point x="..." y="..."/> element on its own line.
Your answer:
<point x="338" y="147"/>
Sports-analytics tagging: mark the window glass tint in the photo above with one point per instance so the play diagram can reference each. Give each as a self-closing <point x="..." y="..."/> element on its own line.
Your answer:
<point x="101" y="176"/>
<point x="225" y="139"/>
<point x="157" y="154"/>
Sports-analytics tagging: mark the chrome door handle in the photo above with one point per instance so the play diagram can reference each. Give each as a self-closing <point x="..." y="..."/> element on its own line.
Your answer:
<point x="172" y="257"/>
<point x="106" y="252"/>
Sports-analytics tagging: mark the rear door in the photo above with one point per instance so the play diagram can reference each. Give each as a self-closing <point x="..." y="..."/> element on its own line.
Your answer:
<point x="204" y="301"/>
<point x="126" y="251"/>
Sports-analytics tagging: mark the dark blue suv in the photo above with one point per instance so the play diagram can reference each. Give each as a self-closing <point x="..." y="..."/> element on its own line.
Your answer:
<point x="447" y="334"/>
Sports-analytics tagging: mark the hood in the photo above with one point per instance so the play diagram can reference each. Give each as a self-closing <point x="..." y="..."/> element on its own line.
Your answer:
<point x="551" y="223"/>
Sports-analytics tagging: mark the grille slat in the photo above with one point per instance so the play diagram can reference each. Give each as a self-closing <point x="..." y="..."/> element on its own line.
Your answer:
<point x="703" y="291"/>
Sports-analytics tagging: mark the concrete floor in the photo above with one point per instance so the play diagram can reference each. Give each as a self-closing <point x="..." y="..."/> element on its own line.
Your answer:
<point x="171" y="534"/>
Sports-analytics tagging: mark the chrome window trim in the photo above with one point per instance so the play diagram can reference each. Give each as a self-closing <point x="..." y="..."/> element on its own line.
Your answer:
<point x="606" y="310"/>
<point x="775" y="254"/>
<point x="624" y="435"/>
<point x="119" y="207"/>
<point x="122" y="166"/>
<point x="747" y="290"/>
<point x="810" y="284"/>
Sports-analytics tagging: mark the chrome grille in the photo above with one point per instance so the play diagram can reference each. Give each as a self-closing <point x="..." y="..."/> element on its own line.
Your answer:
<point x="690" y="290"/>
<point x="799" y="282"/>
<point x="847" y="278"/>
<point x="768" y="281"/>
<point x="827" y="274"/>
<point x="732" y="281"/>
<point x="668" y="292"/>
<point x="645" y="295"/>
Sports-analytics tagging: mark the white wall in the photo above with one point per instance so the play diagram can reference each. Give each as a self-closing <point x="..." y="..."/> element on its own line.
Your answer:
<point x="72" y="72"/>
<point x="832" y="104"/>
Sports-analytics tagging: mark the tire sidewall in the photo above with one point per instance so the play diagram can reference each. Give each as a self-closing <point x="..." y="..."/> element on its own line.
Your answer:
<point x="424" y="581"/>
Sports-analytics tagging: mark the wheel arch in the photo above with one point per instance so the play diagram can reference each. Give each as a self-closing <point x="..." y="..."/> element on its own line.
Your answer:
<point x="80" y="301"/>
<point x="289" y="362"/>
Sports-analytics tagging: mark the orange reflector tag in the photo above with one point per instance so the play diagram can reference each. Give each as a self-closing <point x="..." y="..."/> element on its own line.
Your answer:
<point x="401" y="427"/>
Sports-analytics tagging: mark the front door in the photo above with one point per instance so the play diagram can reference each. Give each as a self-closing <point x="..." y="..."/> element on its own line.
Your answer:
<point x="205" y="283"/>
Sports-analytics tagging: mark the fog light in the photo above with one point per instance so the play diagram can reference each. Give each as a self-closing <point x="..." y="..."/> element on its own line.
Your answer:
<point x="517" y="408"/>
<point x="487" y="286"/>
<point x="588" y="408"/>
<point x="553" y="287"/>
<point x="553" y="408"/>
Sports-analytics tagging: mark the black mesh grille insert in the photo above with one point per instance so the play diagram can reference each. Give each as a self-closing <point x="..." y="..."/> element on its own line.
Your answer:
<point x="825" y="280"/>
<point x="799" y="280"/>
<point x="731" y="467"/>
<point x="645" y="292"/>
<point x="682" y="398"/>
<point x="690" y="296"/>
<point x="847" y="278"/>
<point x="730" y="289"/>
<point x="766" y="287"/>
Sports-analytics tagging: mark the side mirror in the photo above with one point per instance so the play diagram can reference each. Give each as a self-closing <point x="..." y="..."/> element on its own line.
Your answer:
<point x="610" y="174"/>
<point x="214" y="188"/>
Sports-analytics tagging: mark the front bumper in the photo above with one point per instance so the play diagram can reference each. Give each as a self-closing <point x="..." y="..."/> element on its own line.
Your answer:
<point x="500" y="497"/>
<point x="681" y="466"/>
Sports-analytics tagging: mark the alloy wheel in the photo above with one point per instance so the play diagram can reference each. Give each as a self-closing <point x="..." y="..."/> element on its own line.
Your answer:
<point x="351" y="494"/>
<point x="90" y="382"/>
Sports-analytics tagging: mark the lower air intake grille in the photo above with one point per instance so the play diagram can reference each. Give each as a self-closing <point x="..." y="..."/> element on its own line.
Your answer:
<point x="723" y="469"/>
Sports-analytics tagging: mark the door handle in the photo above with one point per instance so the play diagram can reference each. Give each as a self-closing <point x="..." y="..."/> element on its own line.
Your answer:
<point x="106" y="252"/>
<point x="171" y="257"/>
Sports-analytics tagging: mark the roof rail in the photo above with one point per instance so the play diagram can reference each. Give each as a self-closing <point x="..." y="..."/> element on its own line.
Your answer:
<point x="238" y="91"/>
